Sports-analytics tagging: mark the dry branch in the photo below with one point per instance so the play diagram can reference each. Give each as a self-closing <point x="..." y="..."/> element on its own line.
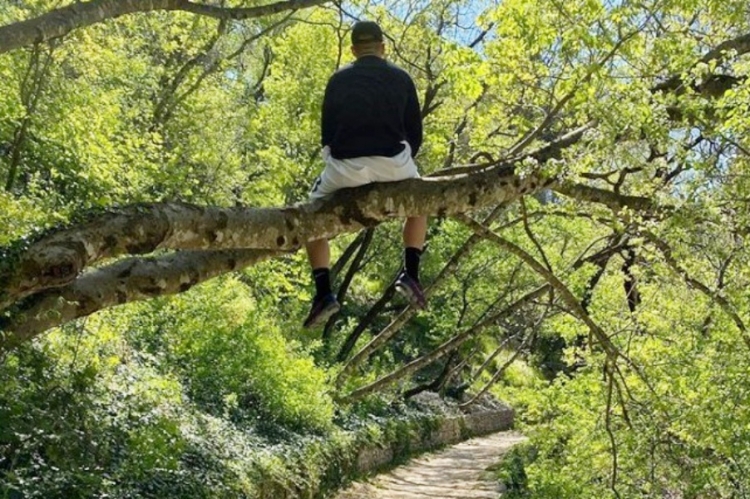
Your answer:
<point x="446" y="347"/>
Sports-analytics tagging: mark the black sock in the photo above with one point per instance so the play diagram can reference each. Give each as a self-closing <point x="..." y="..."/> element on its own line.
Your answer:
<point x="411" y="262"/>
<point x="322" y="278"/>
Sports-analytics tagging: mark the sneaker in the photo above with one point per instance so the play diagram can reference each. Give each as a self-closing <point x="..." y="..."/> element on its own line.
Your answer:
<point x="412" y="290"/>
<point x="322" y="310"/>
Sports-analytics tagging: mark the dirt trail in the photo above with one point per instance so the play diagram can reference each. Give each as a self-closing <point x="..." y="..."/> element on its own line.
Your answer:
<point x="453" y="473"/>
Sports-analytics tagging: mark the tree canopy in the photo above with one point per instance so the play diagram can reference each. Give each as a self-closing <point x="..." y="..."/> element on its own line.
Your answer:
<point x="583" y="173"/>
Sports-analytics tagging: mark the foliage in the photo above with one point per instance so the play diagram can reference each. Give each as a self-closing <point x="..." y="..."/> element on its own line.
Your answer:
<point x="90" y="416"/>
<point x="219" y="393"/>
<point x="232" y="359"/>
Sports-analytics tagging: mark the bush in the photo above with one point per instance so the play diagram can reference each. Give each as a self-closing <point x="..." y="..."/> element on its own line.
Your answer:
<point x="512" y="471"/>
<point x="233" y="358"/>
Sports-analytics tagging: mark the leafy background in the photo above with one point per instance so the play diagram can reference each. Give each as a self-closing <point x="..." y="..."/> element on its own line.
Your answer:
<point x="205" y="393"/>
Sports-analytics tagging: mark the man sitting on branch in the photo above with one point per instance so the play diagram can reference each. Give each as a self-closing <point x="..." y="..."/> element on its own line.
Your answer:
<point x="371" y="131"/>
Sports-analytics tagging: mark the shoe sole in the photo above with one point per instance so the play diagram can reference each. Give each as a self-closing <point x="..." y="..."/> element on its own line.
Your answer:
<point x="410" y="296"/>
<point x="323" y="316"/>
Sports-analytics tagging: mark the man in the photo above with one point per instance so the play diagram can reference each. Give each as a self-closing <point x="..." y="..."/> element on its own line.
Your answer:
<point x="371" y="131"/>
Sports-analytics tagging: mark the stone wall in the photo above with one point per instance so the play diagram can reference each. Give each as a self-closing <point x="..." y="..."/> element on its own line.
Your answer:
<point x="401" y="439"/>
<point x="447" y="431"/>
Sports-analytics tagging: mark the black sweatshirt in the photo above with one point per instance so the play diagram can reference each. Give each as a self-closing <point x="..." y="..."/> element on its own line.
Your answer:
<point x="370" y="107"/>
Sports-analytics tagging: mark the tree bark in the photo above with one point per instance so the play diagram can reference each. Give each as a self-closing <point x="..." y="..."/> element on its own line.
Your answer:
<point x="57" y="259"/>
<point x="129" y="280"/>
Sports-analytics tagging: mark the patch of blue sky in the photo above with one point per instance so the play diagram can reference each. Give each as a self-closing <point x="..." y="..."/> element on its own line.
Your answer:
<point x="462" y="16"/>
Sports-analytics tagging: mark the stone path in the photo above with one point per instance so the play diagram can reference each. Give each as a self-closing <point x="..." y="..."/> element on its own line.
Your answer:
<point x="453" y="473"/>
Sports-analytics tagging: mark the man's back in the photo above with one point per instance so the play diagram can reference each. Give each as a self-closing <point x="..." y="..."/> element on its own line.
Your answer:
<point x="370" y="107"/>
<point x="370" y="112"/>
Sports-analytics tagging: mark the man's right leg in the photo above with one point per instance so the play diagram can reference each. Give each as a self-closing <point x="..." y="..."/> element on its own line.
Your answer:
<point x="415" y="233"/>
<point x="324" y="304"/>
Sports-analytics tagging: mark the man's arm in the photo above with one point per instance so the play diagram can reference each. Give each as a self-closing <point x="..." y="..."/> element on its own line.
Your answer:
<point x="413" y="120"/>
<point x="327" y="126"/>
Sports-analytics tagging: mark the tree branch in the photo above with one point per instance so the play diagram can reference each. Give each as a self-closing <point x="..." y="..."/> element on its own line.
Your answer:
<point x="610" y="199"/>
<point x="570" y="300"/>
<point x="57" y="259"/>
<point x="610" y="432"/>
<point x="446" y="347"/>
<point x="354" y="336"/>
<point x="60" y="22"/>
<point x="496" y="377"/>
<point x="126" y="281"/>
<point x="716" y="85"/>
<point x="344" y="287"/>
<point x="395" y="326"/>
<point x="347" y="255"/>
<point x="436" y="384"/>
<point x="727" y="307"/>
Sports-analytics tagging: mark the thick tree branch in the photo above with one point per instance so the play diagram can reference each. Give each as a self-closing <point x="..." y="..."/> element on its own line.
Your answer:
<point x="62" y="21"/>
<point x="126" y="281"/>
<point x="57" y="259"/>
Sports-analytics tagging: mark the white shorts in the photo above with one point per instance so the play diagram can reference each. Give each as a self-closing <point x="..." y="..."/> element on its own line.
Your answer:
<point x="353" y="172"/>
